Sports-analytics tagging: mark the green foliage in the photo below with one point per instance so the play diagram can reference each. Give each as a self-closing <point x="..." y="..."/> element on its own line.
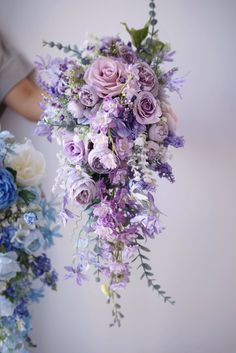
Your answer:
<point x="137" y="35"/>
<point x="147" y="273"/>
<point x="27" y="196"/>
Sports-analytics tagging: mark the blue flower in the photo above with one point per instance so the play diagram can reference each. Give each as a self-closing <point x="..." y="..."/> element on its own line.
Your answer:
<point x="7" y="189"/>
<point x="8" y="265"/>
<point x="6" y="307"/>
<point x="30" y="218"/>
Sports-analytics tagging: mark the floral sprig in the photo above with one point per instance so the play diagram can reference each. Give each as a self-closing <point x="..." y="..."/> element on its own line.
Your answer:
<point x="107" y="108"/>
<point x="27" y="229"/>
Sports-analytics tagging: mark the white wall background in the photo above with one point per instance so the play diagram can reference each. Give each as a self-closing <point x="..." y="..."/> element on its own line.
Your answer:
<point x="194" y="259"/>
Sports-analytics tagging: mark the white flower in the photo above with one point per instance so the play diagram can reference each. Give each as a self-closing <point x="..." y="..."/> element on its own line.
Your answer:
<point x="8" y="265"/>
<point x="6" y="307"/>
<point x="3" y="286"/>
<point x="28" y="163"/>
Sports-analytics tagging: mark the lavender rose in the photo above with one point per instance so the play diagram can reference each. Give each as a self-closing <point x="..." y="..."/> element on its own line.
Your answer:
<point x="102" y="161"/>
<point x="158" y="132"/>
<point x="106" y="76"/>
<point x="146" y="109"/>
<point x="147" y="78"/>
<point x="88" y="96"/>
<point x="74" y="151"/>
<point x="82" y="191"/>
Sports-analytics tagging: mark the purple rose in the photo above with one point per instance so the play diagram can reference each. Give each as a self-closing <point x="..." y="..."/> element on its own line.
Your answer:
<point x="82" y="191"/>
<point x="106" y="76"/>
<point x="146" y="109"/>
<point x="158" y="132"/>
<point x="88" y="96"/>
<point x="74" y="151"/>
<point x="147" y="78"/>
<point x="102" y="161"/>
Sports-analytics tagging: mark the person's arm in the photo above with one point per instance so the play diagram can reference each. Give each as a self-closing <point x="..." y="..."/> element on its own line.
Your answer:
<point x="24" y="98"/>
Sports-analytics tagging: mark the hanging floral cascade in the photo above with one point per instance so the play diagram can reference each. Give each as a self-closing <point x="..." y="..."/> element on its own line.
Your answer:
<point x="107" y="106"/>
<point x="27" y="229"/>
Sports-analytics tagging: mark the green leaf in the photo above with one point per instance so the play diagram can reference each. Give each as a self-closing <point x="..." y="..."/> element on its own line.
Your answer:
<point x="147" y="266"/>
<point x="156" y="286"/>
<point x="143" y="274"/>
<point x="27" y="196"/>
<point x="12" y="171"/>
<point x="144" y="248"/>
<point x="144" y="257"/>
<point x="137" y="35"/>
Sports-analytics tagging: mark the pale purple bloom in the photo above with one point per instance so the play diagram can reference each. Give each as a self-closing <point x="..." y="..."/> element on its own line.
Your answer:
<point x="76" y="109"/>
<point x="124" y="147"/>
<point x="146" y="109"/>
<point x="77" y="273"/>
<point x="158" y="132"/>
<point x="74" y="151"/>
<point x="88" y="96"/>
<point x="127" y="54"/>
<point x="102" y="161"/>
<point x="106" y="75"/>
<point x="81" y="190"/>
<point x="147" y="78"/>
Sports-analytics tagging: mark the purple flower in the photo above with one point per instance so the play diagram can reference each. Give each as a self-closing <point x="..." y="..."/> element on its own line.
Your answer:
<point x="158" y="132"/>
<point x="127" y="54"/>
<point x="105" y="76"/>
<point x="102" y="161"/>
<point x="153" y="150"/>
<point x="146" y="109"/>
<point x="147" y="78"/>
<point x="43" y="129"/>
<point x="74" y="151"/>
<point x="119" y="176"/>
<point x="88" y="96"/>
<point x="81" y="190"/>
<point x="76" y="109"/>
<point x="124" y="147"/>
<point x="77" y="273"/>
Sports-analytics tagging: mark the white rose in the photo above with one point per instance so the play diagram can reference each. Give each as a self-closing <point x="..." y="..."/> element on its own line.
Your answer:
<point x="28" y="163"/>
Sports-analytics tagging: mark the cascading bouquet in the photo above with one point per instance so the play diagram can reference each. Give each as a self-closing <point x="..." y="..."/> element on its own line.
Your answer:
<point x="108" y="109"/>
<point x="27" y="228"/>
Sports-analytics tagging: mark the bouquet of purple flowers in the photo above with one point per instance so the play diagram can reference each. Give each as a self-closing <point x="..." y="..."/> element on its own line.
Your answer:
<point x="108" y="109"/>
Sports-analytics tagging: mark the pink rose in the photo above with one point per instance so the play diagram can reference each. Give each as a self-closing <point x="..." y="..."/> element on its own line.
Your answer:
<point x="158" y="132"/>
<point x="146" y="109"/>
<point x="171" y="117"/>
<point x="106" y="76"/>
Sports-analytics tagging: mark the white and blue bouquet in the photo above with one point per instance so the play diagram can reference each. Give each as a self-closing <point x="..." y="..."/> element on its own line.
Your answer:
<point x="27" y="229"/>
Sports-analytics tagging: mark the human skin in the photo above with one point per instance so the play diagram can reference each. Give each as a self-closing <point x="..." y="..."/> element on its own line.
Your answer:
<point x="24" y="98"/>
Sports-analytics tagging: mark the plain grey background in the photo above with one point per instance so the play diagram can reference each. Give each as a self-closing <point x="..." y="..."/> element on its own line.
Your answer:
<point x="194" y="259"/>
